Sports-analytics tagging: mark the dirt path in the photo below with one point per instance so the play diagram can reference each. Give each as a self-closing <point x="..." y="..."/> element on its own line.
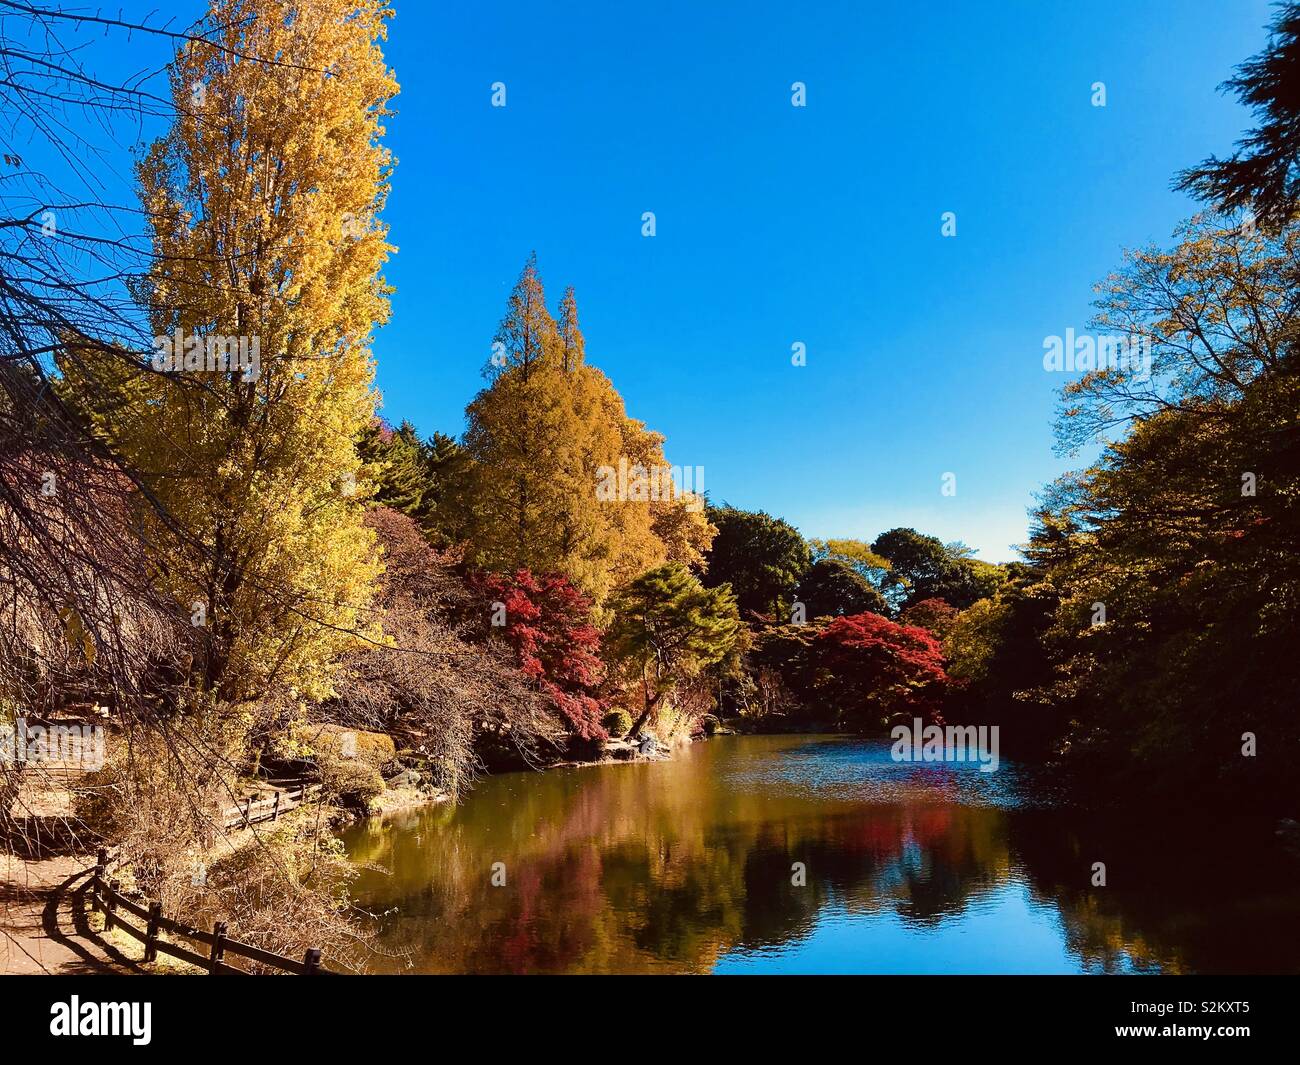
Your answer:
<point x="44" y="914"/>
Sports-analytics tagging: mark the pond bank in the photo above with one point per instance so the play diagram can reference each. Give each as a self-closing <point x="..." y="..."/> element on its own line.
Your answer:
<point x="400" y="799"/>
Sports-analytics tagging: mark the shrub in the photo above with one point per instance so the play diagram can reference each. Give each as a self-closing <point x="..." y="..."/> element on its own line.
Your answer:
<point x="482" y="707"/>
<point x="156" y="796"/>
<point x="617" y="722"/>
<point x="709" y="724"/>
<point x="334" y="743"/>
<point x="98" y="800"/>
<point x="933" y="615"/>
<point x="351" y="782"/>
<point x="872" y="670"/>
<point x="284" y="895"/>
<point x="549" y="626"/>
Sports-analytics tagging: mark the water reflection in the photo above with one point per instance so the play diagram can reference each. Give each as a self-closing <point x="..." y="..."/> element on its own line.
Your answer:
<point x="688" y="866"/>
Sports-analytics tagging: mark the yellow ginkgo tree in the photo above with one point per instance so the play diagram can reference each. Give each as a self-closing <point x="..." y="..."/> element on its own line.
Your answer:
<point x="263" y="203"/>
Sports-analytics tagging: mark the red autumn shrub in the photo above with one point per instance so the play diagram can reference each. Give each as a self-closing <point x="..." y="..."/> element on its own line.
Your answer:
<point x="548" y="623"/>
<point x="872" y="669"/>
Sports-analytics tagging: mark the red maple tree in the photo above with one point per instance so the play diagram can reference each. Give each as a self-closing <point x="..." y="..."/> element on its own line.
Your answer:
<point x="871" y="667"/>
<point x="548" y="623"/>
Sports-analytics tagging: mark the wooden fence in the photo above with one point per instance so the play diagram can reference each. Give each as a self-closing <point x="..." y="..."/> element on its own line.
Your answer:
<point x="108" y="900"/>
<point x="254" y="810"/>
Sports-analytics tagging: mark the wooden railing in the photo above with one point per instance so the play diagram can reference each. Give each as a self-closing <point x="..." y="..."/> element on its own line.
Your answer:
<point x="254" y="810"/>
<point x="108" y="900"/>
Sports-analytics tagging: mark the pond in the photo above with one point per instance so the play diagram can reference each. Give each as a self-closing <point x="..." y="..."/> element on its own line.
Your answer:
<point x="799" y="854"/>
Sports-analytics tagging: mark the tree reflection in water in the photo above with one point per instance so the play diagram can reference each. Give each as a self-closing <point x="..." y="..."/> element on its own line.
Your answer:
<point x="685" y="866"/>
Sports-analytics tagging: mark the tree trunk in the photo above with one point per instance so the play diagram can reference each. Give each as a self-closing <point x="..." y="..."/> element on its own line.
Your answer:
<point x="640" y="722"/>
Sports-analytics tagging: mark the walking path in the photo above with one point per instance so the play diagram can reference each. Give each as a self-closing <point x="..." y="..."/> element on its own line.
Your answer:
<point x="44" y="920"/>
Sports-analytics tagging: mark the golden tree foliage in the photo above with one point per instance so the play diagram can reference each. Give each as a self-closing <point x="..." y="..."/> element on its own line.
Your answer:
<point x="262" y="201"/>
<point x="538" y="437"/>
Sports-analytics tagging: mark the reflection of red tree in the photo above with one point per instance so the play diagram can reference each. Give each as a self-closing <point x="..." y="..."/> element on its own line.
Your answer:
<point x="519" y="938"/>
<point x="552" y="926"/>
<point x="877" y="832"/>
<point x="882" y="833"/>
<point x="930" y="825"/>
<point x="589" y="816"/>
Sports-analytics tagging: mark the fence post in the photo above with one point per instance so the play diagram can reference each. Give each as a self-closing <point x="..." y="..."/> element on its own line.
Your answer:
<point x="101" y="866"/>
<point x="218" y="947"/>
<point x="112" y="905"/>
<point x="312" y="962"/>
<point x="151" y="936"/>
<point x="248" y="811"/>
<point x="275" y="810"/>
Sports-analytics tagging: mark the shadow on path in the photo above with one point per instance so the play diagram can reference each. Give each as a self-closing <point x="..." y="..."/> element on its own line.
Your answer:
<point x="56" y="938"/>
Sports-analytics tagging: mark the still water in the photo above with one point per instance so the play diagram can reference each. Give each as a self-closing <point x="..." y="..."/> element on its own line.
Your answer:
<point x="690" y="866"/>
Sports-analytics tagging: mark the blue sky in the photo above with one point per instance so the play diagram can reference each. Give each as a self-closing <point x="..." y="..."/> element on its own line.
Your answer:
<point x="777" y="224"/>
